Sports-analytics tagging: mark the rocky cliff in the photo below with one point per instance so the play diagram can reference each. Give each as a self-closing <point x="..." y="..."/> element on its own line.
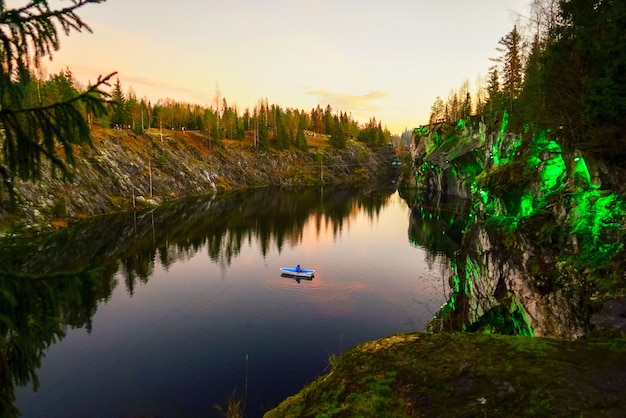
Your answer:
<point x="544" y="240"/>
<point x="123" y="170"/>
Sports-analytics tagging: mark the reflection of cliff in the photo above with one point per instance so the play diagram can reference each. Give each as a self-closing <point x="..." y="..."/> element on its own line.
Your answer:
<point x="51" y="282"/>
<point x="437" y="221"/>
<point x="546" y="230"/>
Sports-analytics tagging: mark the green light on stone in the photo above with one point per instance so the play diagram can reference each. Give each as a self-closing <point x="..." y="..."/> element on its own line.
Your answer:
<point x="520" y="320"/>
<point x="553" y="146"/>
<point x="513" y="149"/>
<point x="546" y="155"/>
<point x="534" y="162"/>
<point x="537" y="146"/>
<point x="484" y="195"/>
<point x="495" y="154"/>
<point x="581" y="175"/>
<point x="505" y="122"/>
<point x="452" y="303"/>
<point x="526" y="204"/>
<point x="553" y="173"/>
<point x="598" y="220"/>
<point x="497" y="145"/>
<point x="474" y="187"/>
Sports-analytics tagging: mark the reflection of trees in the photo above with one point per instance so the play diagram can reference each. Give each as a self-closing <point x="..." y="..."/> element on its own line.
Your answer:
<point x="179" y="230"/>
<point x="138" y="266"/>
<point x="33" y="314"/>
<point x="37" y="303"/>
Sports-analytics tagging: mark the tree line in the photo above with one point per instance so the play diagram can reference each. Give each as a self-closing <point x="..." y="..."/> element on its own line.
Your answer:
<point x="563" y="71"/>
<point x="285" y="126"/>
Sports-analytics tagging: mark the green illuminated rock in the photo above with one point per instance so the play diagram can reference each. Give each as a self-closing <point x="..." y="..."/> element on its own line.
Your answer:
<point x="546" y="232"/>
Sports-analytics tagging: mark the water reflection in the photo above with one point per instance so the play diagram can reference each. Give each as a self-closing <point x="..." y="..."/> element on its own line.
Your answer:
<point x="297" y="279"/>
<point x="53" y="282"/>
<point x="437" y="221"/>
<point x="34" y="313"/>
<point x="176" y="231"/>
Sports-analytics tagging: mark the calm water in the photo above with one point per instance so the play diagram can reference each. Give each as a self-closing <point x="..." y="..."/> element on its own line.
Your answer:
<point x="190" y="304"/>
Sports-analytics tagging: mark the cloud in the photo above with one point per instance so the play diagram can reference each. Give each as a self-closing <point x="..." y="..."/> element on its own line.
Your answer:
<point x="155" y="89"/>
<point x="343" y="101"/>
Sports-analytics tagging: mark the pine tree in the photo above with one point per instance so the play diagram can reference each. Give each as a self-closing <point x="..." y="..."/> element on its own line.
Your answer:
<point x="493" y="106"/>
<point x="338" y="136"/>
<point x="531" y="101"/>
<point x="264" y="140"/>
<point x="118" y="104"/>
<point x="133" y="110"/>
<point x="317" y="120"/>
<point x="282" y="139"/>
<point x="512" y="63"/>
<point x="301" y="143"/>
<point x="466" y="108"/>
<point x="437" y="111"/>
<point x="30" y="134"/>
<point x="583" y="74"/>
<point x="328" y="121"/>
<point x="454" y="106"/>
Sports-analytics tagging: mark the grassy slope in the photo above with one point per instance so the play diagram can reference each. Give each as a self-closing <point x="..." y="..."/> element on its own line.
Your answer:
<point x="468" y="375"/>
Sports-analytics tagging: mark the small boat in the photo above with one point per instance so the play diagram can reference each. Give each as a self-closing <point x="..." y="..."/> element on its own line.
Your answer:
<point x="297" y="271"/>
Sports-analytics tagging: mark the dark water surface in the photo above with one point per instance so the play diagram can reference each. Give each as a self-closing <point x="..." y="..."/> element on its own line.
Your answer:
<point x="190" y="305"/>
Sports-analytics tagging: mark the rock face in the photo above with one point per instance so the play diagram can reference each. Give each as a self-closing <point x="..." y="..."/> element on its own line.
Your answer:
<point x="545" y="233"/>
<point x="498" y="287"/>
<point x="123" y="170"/>
<point x="448" y="158"/>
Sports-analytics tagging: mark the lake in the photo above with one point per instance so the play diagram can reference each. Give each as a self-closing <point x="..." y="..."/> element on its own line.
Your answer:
<point x="187" y="305"/>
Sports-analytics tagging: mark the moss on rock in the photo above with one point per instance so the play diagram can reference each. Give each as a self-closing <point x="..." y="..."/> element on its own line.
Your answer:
<point x="468" y="375"/>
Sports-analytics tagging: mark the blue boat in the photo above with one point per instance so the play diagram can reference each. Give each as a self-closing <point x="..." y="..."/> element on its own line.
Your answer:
<point x="297" y="271"/>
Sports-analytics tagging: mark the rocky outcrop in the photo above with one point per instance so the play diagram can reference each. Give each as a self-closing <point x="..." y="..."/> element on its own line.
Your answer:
<point x="545" y="236"/>
<point x="448" y="158"/>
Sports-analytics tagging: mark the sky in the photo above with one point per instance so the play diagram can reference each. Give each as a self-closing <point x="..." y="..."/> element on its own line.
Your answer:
<point x="383" y="59"/>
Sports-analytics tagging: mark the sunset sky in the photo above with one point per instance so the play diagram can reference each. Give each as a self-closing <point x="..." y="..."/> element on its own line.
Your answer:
<point x="384" y="59"/>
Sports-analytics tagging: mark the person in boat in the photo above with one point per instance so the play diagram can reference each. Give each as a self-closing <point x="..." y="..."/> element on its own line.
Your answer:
<point x="298" y="268"/>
